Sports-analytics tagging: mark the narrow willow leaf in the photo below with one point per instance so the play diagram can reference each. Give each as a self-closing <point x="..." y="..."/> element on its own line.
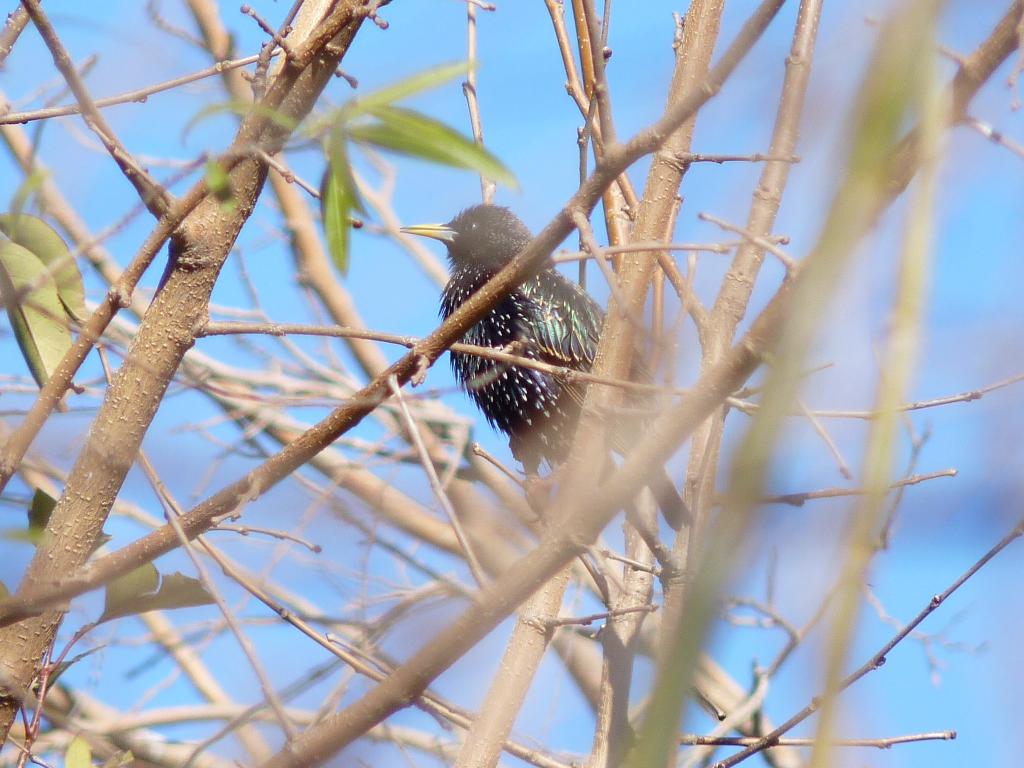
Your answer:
<point x="145" y="590"/>
<point x="403" y="89"/>
<point x="49" y="247"/>
<point x="78" y="754"/>
<point x="338" y="198"/>
<point x="412" y="133"/>
<point x="34" y="308"/>
<point x="336" y="211"/>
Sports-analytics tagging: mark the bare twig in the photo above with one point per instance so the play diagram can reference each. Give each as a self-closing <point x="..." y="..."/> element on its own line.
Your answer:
<point x="16" y="22"/>
<point x="155" y="197"/>
<point x="410" y="342"/>
<point x="996" y="137"/>
<point x="757" y="157"/>
<point x="595" y="250"/>
<point x="844" y="468"/>
<point x="761" y="242"/>
<point x="245" y="530"/>
<point x="962" y="397"/>
<point x="435" y="483"/>
<point x="480" y="451"/>
<point x="650" y="246"/>
<point x="878" y="658"/>
<point x="487" y="186"/>
<point x="173" y="512"/>
<point x="799" y="499"/>
<point x="567" y="621"/>
<point x="884" y="742"/>
<point x="138" y="95"/>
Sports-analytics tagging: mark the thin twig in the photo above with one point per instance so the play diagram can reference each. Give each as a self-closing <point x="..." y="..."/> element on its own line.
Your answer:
<point x="799" y="499"/>
<point x="645" y="247"/>
<point x="288" y="174"/>
<point x="996" y="137"/>
<point x="597" y="34"/>
<point x="16" y="23"/>
<point x="844" y="468"/>
<point x="962" y="397"/>
<point x="487" y="186"/>
<point x="590" y="244"/>
<point x="604" y="615"/>
<point x="245" y="530"/>
<point x="435" y="483"/>
<point x="761" y="242"/>
<point x="484" y="454"/>
<point x="880" y="743"/>
<point x="138" y="96"/>
<point x="155" y="197"/>
<point x="757" y="157"/>
<point x="172" y="512"/>
<point x="410" y="342"/>
<point x="878" y="659"/>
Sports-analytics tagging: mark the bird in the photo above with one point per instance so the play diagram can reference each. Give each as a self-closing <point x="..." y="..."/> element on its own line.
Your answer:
<point x="547" y="318"/>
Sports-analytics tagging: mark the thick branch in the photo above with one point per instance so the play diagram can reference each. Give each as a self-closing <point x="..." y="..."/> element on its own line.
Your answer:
<point x="200" y="247"/>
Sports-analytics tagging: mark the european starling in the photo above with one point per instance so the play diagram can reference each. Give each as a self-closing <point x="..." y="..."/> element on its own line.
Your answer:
<point x="549" y="318"/>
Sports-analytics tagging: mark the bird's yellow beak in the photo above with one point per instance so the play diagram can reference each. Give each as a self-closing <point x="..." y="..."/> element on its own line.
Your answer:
<point x="441" y="232"/>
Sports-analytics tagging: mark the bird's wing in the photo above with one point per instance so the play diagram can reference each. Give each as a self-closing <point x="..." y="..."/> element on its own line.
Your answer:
<point x="568" y="325"/>
<point x="564" y="326"/>
<point x="567" y="335"/>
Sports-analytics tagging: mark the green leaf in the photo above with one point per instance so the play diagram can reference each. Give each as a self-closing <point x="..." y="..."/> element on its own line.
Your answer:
<point x="219" y="183"/>
<point x="39" y="512"/>
<point x="338" y="198"/>
<point x="145" y="590"/>
<point x="49" y="247"/>
<point x="34" y="308"/>
<point x="412" y="133"/>
<point x="4" y="591"/>
<point x="403" y="89"/>
<point x="241" y="108"/>
<point x="32" y="184"/>
<point x="78" y="754"/>
<point x="123" y="595"/>
<point x="180" y="591"/>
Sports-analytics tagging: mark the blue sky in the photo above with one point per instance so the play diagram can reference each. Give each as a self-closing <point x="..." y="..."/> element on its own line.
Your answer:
<point x="972" y="333"/>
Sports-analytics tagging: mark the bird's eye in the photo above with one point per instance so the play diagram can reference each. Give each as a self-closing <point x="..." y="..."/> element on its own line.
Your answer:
<point x="472" y="225"/>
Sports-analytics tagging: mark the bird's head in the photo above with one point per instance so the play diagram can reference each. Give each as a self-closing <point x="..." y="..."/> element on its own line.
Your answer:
<point x="480" y="236"/>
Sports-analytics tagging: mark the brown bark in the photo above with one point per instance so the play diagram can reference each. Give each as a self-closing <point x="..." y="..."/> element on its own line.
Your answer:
<point x="199" y="249"/>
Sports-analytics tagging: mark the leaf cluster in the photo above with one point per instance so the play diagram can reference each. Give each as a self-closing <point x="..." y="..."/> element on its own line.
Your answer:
<point x="375" y="121"/>
<point x="41" y="289"/>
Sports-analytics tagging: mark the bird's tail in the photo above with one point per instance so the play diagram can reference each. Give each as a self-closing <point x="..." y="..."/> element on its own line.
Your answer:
<point x="671" y="504"/>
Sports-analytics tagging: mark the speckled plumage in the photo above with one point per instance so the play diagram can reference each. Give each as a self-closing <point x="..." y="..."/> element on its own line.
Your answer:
<point x="552" y="319"/>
